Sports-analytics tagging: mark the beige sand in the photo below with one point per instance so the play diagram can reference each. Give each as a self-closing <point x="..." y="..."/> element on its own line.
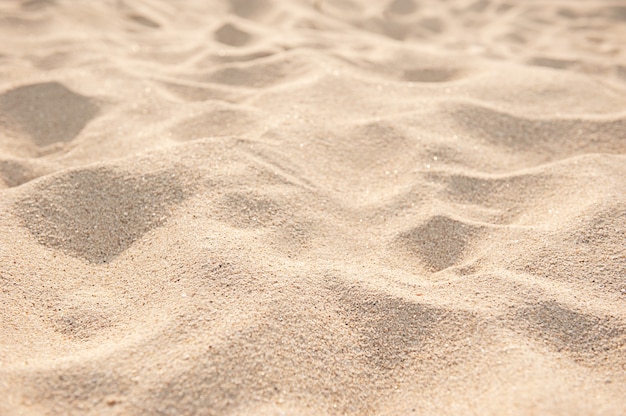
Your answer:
<point x="307" y="208"/>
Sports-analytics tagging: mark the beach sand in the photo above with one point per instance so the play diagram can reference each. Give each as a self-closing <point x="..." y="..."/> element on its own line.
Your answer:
<point x="312" y="207"/>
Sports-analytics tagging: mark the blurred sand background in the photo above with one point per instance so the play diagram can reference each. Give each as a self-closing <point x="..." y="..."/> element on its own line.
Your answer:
<point x="312" y="207"/>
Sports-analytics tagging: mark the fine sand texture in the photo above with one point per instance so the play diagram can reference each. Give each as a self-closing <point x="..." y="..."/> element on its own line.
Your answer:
<point x="312" y="207"/>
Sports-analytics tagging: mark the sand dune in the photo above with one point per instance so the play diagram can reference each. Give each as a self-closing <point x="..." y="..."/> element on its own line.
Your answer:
<point x="312" y="207"/>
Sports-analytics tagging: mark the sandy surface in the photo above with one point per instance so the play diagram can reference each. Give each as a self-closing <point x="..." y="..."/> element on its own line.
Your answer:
<point x="305" y="208"/>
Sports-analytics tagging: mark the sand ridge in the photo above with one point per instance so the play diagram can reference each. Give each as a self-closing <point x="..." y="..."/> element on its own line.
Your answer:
<point x="312" y="207"/>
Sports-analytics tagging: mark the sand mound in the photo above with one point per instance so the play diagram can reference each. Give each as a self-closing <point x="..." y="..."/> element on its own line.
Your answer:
<point x="47" y="112"/>
<point x="97" y="213"/>
<point x="312" y="207"/>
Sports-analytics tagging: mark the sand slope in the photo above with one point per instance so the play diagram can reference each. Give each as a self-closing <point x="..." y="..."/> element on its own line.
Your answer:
<point x="312" y="207"/>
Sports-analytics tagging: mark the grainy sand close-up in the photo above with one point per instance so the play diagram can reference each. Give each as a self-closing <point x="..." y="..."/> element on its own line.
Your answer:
<point x="312" y="207"/>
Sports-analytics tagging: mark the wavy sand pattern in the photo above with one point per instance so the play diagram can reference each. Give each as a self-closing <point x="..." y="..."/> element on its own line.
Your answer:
<point x="312" y="207"/>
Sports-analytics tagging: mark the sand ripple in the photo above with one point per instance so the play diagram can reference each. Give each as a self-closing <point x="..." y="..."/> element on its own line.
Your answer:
<point x="312" y="207"/>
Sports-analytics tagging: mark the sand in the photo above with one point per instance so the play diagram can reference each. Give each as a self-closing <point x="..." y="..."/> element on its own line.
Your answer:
<point x="312" y="207"/>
